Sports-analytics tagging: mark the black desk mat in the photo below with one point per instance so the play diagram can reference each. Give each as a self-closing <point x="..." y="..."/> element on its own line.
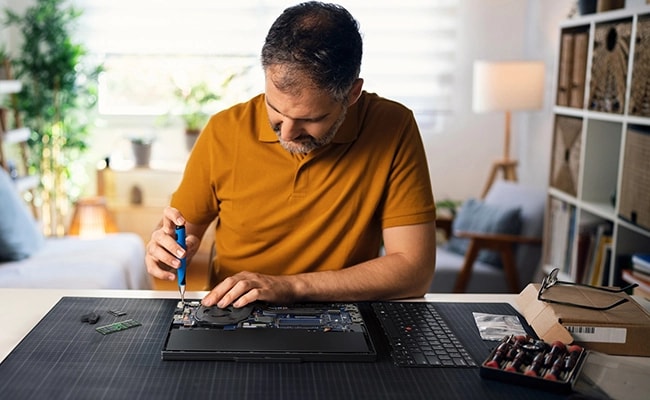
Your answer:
<point x="65" y="358"/>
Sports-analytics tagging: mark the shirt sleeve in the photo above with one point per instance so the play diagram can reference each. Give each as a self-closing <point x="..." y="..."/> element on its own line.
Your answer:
<point x="409" y="195"/>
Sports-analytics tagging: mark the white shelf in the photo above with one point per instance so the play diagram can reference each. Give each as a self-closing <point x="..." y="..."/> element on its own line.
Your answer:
<point x="602" y="210"/>
<point x="569" y="111"/>
<point x="567" y="198"/>
<point x="637" y="120"/>
<point x="597" y="197"/>
<point x="605" y="16"/>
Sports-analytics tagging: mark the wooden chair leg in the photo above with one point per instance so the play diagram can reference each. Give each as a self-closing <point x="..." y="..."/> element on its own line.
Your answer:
<point x="466" y="272"/>
<point x="509" y="267"/>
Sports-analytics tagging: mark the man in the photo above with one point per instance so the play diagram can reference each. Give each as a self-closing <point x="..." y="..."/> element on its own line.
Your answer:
<point x="306" y="180"/>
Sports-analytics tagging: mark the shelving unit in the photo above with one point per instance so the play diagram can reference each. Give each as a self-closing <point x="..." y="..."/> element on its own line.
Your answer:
<point x="599" y="177"/>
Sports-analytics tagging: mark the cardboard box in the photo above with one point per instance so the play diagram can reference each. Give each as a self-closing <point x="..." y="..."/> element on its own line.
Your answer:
<point x="623" y="330"/>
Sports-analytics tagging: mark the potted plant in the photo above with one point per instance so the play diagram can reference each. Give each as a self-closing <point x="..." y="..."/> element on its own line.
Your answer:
<point x="141" y="146"/>
<point x="195" y="101"/>
<point x="448" y="207"/>
<point x="58" y="94"/>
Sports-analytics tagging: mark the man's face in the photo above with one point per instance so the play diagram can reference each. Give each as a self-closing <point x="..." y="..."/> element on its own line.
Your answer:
<point x="303" y="121"/>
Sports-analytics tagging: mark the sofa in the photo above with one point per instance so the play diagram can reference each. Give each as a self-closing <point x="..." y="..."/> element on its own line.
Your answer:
<point x="28" y="259"/>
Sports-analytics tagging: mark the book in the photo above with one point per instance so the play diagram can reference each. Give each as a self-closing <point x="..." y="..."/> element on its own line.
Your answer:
<point x="631" y="276"/>
<point x="605" y="268"/>
<point x="600" y="259"/>
<point x="641" y="262"/>
<point x="560" y="216"/>
<point x="570" y="239"/>
<point x="621" y="262"/>
<point x="603" y="238"/>
<point x="596" y="230"/>
<point x="584" y="243"/>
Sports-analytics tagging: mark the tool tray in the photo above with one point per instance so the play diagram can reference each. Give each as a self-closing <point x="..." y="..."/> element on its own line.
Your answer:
<point x="525" y="361"/>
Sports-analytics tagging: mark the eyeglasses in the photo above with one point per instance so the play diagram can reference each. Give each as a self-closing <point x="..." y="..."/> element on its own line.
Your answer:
<point x="551" y="280"/>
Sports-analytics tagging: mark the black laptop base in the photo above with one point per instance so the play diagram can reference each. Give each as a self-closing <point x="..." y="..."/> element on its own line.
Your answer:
<point x="303" y="332"/>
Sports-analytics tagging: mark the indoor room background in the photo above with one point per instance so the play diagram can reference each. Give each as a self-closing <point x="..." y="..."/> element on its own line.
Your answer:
<point x="461" y="144"/>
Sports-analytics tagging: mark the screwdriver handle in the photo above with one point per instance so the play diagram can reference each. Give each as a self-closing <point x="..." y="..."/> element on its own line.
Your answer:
<point x="180" y="239"/>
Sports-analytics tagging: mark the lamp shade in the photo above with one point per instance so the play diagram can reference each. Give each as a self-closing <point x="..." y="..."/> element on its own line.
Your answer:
<point x="508" y="86"/>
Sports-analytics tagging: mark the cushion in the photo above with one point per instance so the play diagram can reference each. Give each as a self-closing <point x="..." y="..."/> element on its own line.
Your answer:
<point x="19" y="233"/>
<point x="481" y="217"/>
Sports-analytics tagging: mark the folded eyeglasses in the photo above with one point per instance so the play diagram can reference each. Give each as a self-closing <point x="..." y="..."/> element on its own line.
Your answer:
<point x="552" y="280"/>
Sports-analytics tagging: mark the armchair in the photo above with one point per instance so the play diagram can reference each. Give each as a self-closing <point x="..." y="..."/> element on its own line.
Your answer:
<point x="495" y="244"/>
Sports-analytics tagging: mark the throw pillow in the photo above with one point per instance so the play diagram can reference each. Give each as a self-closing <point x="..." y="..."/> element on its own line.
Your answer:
<point x="478" y="216"/>
<point x="19" y="233"/>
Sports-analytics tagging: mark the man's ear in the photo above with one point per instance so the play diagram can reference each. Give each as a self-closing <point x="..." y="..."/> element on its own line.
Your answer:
<point x="355" y="92"/>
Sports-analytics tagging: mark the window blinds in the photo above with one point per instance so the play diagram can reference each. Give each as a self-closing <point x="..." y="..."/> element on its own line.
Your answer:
<point x="409" y="45"/>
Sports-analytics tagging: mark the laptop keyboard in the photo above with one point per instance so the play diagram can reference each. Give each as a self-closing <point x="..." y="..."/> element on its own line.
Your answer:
<point x="419" y="337"/>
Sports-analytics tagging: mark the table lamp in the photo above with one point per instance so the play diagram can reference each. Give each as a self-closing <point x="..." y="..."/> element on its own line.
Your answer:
<point x="507" y="86"/>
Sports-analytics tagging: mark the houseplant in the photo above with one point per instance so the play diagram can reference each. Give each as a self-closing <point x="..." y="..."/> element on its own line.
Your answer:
<point x="59" y="91"/>
<point x="141" y="146"/>
<point x="194" y="100"/>
<point x="194" y="105"/>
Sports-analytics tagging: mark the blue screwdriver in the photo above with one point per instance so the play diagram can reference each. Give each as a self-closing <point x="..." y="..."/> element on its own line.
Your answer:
<point x="180" y="239"/>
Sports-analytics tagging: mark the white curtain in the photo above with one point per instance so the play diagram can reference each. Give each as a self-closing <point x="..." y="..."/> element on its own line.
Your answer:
<point x="409" y="45"/>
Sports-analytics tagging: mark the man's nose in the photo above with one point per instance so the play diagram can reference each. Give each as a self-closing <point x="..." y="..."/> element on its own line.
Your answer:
<point x="289" y="130"/>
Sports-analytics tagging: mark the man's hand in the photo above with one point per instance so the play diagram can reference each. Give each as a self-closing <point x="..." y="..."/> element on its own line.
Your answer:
<point x="246" y="287"/>
<point x="405" y="271"/>
<point x="163" y="254"/>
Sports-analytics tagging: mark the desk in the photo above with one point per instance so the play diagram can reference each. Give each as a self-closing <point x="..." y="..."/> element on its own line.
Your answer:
<point x="24" y="308"/>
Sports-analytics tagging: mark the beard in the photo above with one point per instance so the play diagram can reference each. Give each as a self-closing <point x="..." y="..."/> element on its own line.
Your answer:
<point x="305" y="143"/>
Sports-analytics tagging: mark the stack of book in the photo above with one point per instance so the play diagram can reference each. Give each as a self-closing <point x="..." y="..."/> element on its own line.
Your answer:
<point x="594" y="253"/>
<point x="639" y="274"/>
<point x="562" y="221"/>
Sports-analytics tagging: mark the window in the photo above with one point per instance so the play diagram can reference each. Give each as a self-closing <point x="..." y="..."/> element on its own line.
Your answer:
<point x="150" y="46"/>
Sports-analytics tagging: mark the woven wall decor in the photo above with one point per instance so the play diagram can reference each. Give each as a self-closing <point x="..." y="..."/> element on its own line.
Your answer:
<point x="609" y="66"/>
<point x="566" y="154"/>
<point x="635" y="184"/>
<point x="640" y="90"/>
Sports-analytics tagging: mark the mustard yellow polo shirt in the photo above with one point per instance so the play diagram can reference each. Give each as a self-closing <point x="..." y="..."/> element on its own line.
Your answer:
<point x="281" y="213"/>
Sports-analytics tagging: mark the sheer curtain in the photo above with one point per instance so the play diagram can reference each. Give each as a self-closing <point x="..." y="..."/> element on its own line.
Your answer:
<point x="409" y="48"/>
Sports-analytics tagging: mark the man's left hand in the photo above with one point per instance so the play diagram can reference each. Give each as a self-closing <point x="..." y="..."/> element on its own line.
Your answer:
<point x="246" y="287"/>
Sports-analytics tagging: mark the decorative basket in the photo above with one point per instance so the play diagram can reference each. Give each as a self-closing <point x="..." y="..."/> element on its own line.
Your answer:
<point x="609" y="66"/>
<point x="635" y="185"/>
<point x="640" y="90"/>
<point x="566" y="154"/>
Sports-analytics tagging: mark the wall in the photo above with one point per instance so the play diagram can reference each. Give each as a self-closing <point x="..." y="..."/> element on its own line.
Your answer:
<point x="459" y="157"/>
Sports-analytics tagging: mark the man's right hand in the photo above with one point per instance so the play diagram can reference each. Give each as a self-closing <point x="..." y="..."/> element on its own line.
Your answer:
<point x="163" y="254"/>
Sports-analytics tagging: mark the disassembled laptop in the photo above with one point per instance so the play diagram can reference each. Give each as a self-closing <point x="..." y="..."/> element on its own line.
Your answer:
<point x="339" y="317"/>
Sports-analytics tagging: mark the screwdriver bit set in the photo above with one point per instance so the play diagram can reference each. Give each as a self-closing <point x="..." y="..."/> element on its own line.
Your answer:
<point x="526" y="361"/>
